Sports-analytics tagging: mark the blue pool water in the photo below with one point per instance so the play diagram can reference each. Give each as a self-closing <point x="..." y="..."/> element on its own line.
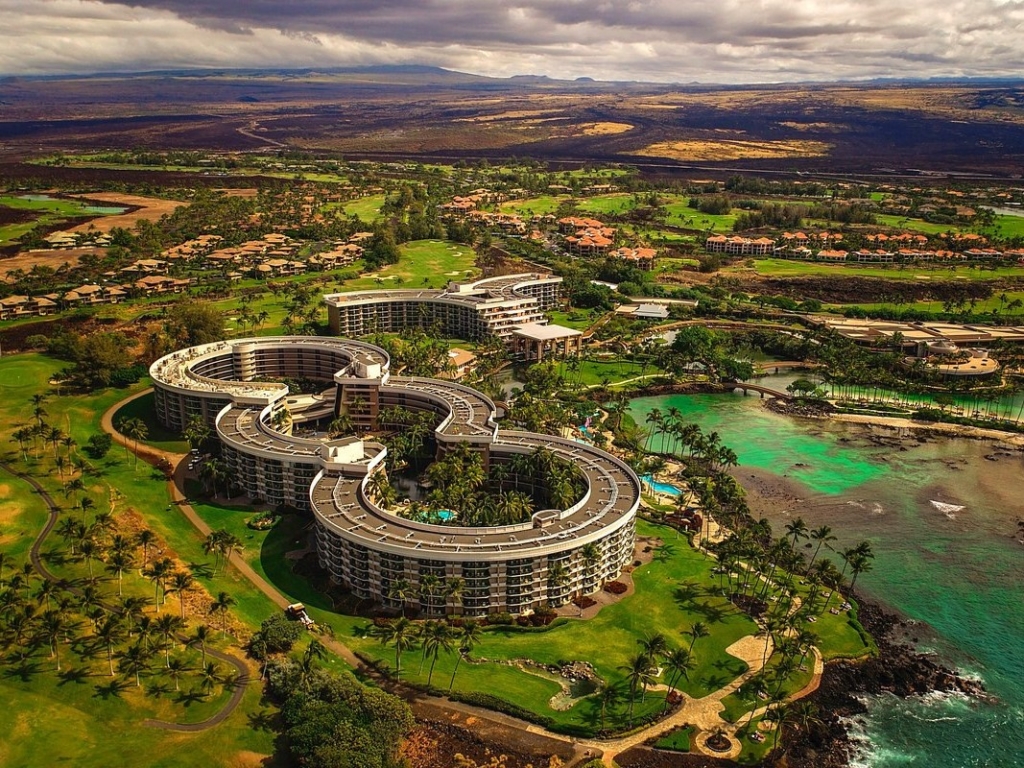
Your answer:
<point x="666" y="488"/>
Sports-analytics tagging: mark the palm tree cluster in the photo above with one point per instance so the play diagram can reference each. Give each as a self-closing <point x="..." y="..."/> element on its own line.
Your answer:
<point x="642" y="670"/>
<point x="510" y="492"/>
<point x="703" y="451"/>
<point x="221" y="543"/>
<point x="757" y="566"/>
<point x="431" y="638"/>
<point x="39" y="434"/>
<point x="134" y="429"/>
<point x="407" y="436"/>
<point x="417" y="351"/>
<point x="433" y="592"/>
<point x="77" y="616"/>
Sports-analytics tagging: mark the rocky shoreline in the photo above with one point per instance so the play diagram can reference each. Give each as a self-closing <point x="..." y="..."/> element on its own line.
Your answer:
<point x="898" y="669"/>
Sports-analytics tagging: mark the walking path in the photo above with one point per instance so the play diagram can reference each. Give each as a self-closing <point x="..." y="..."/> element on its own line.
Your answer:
<point x="704" y="713"/>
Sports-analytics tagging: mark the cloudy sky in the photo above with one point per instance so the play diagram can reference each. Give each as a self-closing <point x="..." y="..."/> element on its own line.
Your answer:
<point x="726" y="41"/>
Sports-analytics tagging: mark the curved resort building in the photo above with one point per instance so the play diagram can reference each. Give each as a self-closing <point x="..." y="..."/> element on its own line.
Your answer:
<point x="492" y="306"/>
<point x="236" y="388"/>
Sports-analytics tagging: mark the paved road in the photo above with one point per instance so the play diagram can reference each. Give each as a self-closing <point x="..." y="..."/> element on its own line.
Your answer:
<point x="241" y="669"/>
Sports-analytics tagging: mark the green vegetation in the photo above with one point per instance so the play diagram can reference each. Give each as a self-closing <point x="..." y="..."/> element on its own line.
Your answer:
<point x="422" y="264"/>
<point x="677" y="741"/>
<point x="786" y="268"/>
<point x="367" y="209"/>
<point x="48" y="212"/>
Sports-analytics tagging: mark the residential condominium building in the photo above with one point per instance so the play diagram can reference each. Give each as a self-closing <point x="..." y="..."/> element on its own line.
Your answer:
<point x="363" y="546"/>
<point x="493" y="306"/>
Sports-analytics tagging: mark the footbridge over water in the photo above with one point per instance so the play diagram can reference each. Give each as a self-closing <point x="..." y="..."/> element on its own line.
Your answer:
<point x="746" y="389"/>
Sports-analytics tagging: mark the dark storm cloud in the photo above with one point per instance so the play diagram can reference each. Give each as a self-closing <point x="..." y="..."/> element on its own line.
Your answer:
<point x="721" y="41"/>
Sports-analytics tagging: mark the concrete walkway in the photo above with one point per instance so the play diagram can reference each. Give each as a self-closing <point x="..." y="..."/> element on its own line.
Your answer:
<point x="704" y="713"/>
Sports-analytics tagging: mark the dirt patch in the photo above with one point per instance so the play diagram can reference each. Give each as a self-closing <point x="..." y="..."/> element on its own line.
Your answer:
<point x="718" y="150"/>
<point x="148" y="208"/>
<point x="645" y="757"/>
<point x="446" y="733"/>
<point x="247" y="759"/>
<point x="45" y="258"/>
<point x="198" y="602"/>
<point x="249" y="192"/>
<point x="604" y="129"/>
<point x="442" y="745"/>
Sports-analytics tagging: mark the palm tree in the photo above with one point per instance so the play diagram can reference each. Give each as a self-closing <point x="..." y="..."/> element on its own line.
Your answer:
<point x="167" y="625"/>
<point x="200" y="637"/>
<point x="134" y="661"/>
<point x="110" y="633"/>
<point x="176" y="667"/>
<point x="90" y="551"/>
<point x="697" y="631"/>
<point x="74" y="486"/>
<point x="430" y="585"/>
<point x="400" y="633"/>
<point x="209" y="677"/>
<point x="823" y="536"/>
<point x="654" y="646"/>
<point x="46" y="589"/>
<point x="639" y="673"/>
<point x="134" y="429"/>
<point x="222" y="603"/>
<point x="468" y="636"/>
<point x="401" y="591"/>
<point x="436" y="639"/>
<point x="158" y="573"/>
<point x="859" y="563"/>
<point x="558" y="576"/>
<point x="145" y="539"/>
<point x="804" y="716"/>
<point x="797" y="530"/>
<point x="181" y="582"/>
<point x="591" y="555"/>
<point x="118" y="561"/>
<point x="453" y="589"/>
<point x="314" y="651"/>
<point x="86" y="504"/>
<point x="607" y="697"/>
<point x="679" y="663"/>
<point x="54" y="625"/>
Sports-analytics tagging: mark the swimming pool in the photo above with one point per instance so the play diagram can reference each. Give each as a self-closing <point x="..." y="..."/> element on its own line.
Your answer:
<point x="657" y="487"/>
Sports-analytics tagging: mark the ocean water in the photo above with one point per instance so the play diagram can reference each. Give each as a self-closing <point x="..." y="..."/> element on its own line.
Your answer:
<point x="941" y="519"/>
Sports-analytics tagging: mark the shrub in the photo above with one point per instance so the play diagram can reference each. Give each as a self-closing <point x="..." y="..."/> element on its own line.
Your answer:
<point x="615" y="587"/>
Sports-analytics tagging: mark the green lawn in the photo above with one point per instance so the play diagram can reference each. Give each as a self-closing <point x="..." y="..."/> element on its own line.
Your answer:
<point x="595" y="372"/>
<point x="48" y="212"/>
<point x="682" y="215"/>
<point x="619" y="203"/>
<point x="158" y="435"/>
<point x="787" y="268"/>
<point x="580" y="319"/>
<point x="366" y="208"/>
<point x="539" y="206"/>
<point x="423" y="264"/>
<point x="677" y="741"/>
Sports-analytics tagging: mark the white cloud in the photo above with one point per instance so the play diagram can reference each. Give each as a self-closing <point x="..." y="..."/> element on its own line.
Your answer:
<point x="660" y="40"/>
